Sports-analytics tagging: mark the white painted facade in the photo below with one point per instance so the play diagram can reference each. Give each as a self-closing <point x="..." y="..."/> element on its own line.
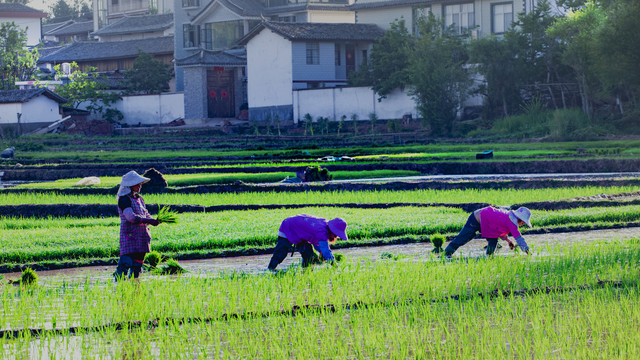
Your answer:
<point x="333" y="17"/>
<point x="31" y="24"/>
<point x="270" y="70"/>
<point x="38" y="110"/>
<point x="333" y="103"/>
<point x="154" y="109"/>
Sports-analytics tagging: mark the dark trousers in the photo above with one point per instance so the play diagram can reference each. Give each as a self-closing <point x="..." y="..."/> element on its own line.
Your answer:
<point x="284" y="247"/>
<point x="468" y="232"/>
<point x="128" y="265"/>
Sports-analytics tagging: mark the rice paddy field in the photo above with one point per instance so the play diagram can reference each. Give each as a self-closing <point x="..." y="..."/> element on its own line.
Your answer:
<point x="567" y="300"/>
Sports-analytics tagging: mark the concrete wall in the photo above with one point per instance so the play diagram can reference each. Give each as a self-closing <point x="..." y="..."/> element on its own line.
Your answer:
<point x="269" y="69"/>
<point x="324" y="16"/>
<point x="151" y="109"/>
<point x="32" y="25"/>
<point x="195" y="90"/>
<point x="361" y="101"/>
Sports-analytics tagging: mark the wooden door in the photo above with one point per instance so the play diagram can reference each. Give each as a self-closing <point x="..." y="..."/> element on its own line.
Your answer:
<point x="220" y="93"/>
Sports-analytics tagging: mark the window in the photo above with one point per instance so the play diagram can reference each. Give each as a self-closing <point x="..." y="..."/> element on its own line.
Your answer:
<point x="221" y="35"/>
<point x="313" y="53"/>
<point x="501" y="17"/>
<point x="190" y="3"/>
<point x="461" y="17"/>
<point x="419" y="13"/>
<point x="338" y="60"/>
<point x="291" y="18"/>
<point x="190" y="36"/>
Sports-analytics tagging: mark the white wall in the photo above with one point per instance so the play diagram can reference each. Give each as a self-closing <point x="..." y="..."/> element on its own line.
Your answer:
<point x="323" y="16"/>
<point x="40" y="109"/>
<point x="32" y="25"/>
<point x="270" y="69"/>
<point x="362" y="101"/>
<point x="151" y="109"/>
<point x="385" y="16"/>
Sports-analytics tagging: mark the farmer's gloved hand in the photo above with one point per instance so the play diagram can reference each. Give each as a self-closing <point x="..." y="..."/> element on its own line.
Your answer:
<point x="512" y="246"/>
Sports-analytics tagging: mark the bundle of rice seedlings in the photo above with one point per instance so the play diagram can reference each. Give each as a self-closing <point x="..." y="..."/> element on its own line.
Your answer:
<point x="171" y="267"/>
<point x="437" y="240"/>
<point x="165" y="215"/>
<point x="339" y="257"/>
<point x="28" y="277"/>
<point x="153" y="259"/>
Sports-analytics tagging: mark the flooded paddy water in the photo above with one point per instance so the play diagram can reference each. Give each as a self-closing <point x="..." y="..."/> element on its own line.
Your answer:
<point x="257" y="264"/>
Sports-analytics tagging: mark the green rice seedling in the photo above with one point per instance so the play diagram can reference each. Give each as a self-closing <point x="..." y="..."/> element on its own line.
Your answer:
<point x="386" y="255"/>
<point x="153" y="258"/>
<point x="165" y="215"/>
<point x="437" y="240"/>
<point x="339" y="257"/>
<point x="28" y="277"/>
<point x="170" y="267"/>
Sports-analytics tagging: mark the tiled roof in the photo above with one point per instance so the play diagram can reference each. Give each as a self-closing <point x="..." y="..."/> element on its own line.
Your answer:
<point x="92" y="50"/>
<point x="299" y="7"/>
<point x="235" y="57"/>
<point x="360" y="5"/>
<point x="21" y="96"/>
<point x="244" y="8"/>
<point x="49" y="27"/>
<point x="137" y="24"/>
<point x="19" y="10"/>
<point x="44" y="51"/>
<point x="73" y="28"/>
<point x="318" y="31"/>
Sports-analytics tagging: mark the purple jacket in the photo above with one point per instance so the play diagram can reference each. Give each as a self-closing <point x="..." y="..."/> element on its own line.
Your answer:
<point x="305" y="228"/>
<point x="134" y="236"/>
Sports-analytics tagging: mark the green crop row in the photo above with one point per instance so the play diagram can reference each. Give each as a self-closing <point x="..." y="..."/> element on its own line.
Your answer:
<point x="587" y="325"/>
<point x="376" y="286"/>
<point x="492" y="196"/>
<point x="620" y="147"/>
<point x="29" y="240"/>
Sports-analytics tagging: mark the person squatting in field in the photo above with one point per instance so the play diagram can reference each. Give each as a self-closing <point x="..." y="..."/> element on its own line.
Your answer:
<point x="135" y="238"/>
<point x="304" y="233"/>
<point x="493" y="223"/>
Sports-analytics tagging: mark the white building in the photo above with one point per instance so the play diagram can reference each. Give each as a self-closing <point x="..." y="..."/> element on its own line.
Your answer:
<point x="30" y="109"/>
<point x="26" y="18"/>
<point x="282" y="57"/>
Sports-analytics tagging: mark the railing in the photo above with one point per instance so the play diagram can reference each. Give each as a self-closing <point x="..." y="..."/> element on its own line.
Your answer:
<point x="276" y="3"/>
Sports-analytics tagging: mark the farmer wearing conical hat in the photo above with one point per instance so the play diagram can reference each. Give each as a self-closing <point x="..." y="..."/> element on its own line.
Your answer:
<point x="493" y="223"/>
<point x="304" y="233"/>
<point x="134" y="218"/>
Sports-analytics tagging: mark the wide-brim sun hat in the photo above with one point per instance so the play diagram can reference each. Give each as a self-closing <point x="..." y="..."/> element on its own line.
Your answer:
<point x="338" y="227"/>
<point x="132" y="178"/>
<point x="523" y="214"/>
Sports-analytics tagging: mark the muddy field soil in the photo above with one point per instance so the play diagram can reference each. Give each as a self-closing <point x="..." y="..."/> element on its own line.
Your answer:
<point x="408" y="252"/>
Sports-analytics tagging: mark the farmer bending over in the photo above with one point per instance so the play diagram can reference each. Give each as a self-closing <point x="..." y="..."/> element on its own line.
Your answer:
<point x="304" y="233"/>
<point x="134" y="218"/>
<point x="493" y="223"/>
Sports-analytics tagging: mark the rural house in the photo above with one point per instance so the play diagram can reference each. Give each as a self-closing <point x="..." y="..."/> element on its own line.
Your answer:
<point x="26" y="110"/>
<point x="68" y="31"/>
<point x="282" y="57"/>
<point x="26" y="18"/>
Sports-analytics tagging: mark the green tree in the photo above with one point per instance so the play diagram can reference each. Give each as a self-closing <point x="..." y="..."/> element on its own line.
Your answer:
<point x="16" y="62"/>
<point x="577" y="31"/>
<point x="64" y="11"/>
<point x="389" y="61"/>
<point x="148" y="75"/>
<point x="86" y="89"/>
<point x="439" y="79"/>
<point x="618" y="56"/>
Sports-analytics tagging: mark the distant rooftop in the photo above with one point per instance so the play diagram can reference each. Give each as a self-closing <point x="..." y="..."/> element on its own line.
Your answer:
<point x="91" y="50"/>
<point x="19" y="10"/>
<point x="319" y="31"/>
<point x="22" y="96"/>
<point x="72" y="28"/>
<point x="137" y="24"/>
